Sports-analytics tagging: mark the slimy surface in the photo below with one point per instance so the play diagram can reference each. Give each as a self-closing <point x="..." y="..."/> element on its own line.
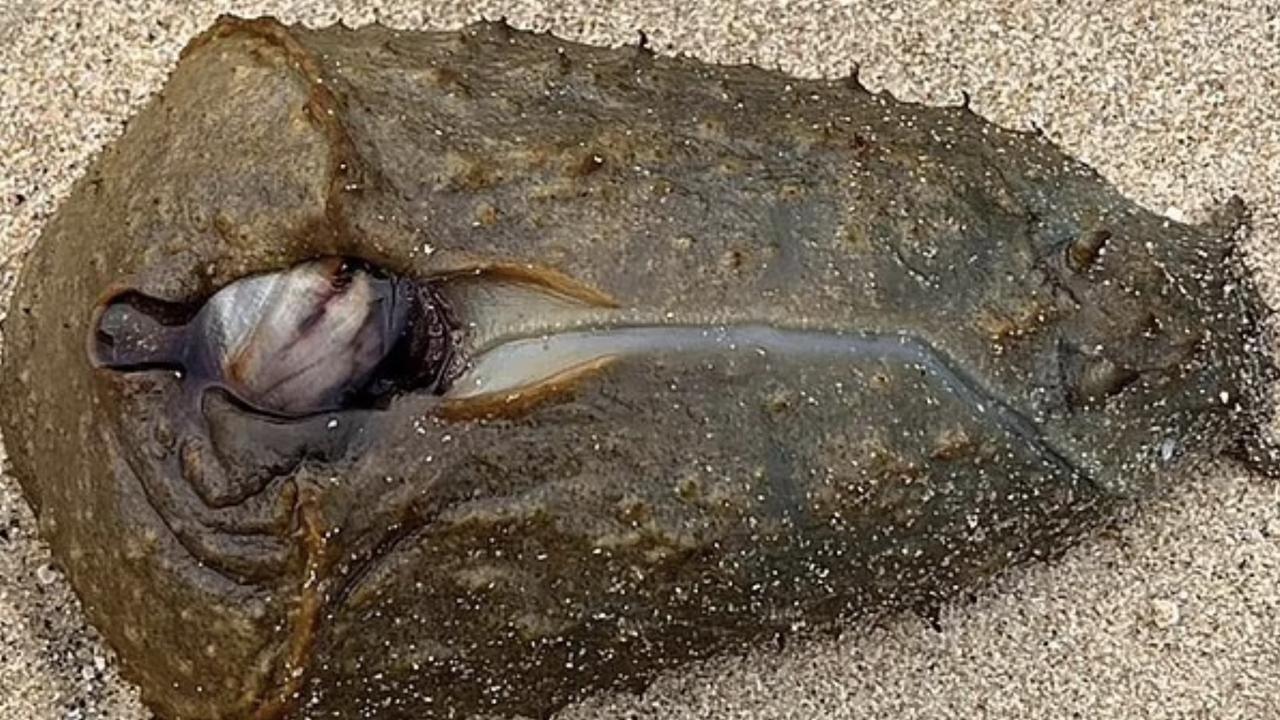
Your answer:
<point x="513" y="366"/>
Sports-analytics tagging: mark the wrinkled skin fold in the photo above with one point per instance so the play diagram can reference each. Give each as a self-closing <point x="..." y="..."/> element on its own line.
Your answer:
<point x="728" y="354"/>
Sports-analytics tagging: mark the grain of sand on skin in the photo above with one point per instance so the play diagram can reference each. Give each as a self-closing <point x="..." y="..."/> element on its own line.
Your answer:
<point x="1174" y="614"/>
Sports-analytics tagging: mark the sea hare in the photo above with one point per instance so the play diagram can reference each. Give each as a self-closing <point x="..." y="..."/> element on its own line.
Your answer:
<point x="420" y="375"/>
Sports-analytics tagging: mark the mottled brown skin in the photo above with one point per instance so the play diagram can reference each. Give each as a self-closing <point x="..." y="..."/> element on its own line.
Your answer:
<point x="412" y="564"/>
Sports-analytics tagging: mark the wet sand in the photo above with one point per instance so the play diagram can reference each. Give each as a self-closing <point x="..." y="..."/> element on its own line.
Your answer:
<point x="1175" y="614"/>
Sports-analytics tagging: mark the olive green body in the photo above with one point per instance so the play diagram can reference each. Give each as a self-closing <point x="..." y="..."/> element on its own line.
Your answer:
<point x="397" y="563"/>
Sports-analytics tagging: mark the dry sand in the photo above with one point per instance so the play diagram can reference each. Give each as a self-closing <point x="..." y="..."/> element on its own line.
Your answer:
<point x="1176" y="615"/>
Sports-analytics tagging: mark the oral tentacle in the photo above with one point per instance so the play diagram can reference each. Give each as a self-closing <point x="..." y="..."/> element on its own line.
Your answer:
<point x="133" y="332"/>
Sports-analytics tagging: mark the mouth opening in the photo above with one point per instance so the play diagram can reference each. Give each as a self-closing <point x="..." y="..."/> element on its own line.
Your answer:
<point x="335" y="333"/>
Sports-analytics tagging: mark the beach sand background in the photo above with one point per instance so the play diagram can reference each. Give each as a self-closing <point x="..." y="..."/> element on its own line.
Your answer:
<point x="1176" y="614"/>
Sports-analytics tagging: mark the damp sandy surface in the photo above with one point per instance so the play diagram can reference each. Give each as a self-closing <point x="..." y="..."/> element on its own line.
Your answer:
<point x="1176" y="614"/>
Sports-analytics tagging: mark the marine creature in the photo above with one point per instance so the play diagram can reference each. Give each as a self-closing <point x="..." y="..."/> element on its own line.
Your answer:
<point x="438" y="374"/>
